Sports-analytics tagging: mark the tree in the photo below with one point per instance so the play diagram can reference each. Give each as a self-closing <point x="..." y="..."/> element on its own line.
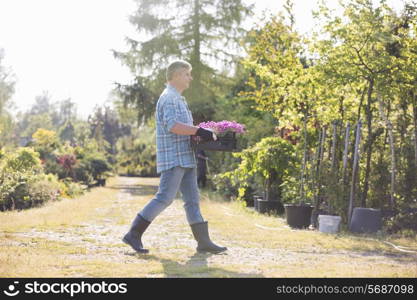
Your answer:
<point x="360" y="66"/>
<point x="366" y="51"/>
<point x="203" y="32"/>
<point x="6" y="91"/>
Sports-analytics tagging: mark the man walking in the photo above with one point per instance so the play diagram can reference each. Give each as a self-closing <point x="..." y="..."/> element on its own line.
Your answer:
<point x="176" y="162"/>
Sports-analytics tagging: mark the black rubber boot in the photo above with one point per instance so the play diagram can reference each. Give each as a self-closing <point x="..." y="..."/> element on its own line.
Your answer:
<point x="134" y="237"/>
<point x="201" y="235"/>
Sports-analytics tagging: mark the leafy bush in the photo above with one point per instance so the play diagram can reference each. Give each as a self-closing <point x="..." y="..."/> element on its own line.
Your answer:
<point x="23" y="160"/>
<point x="20" y="190"/>
<point x="91" y="167"/>
<point x="268" y="163"/>
<point x="223" y="184"/>
<point x="42" y="188"/>
<point x="22" y="183"/>
<point x="137" y="153"/>
<point x="406" y="220"/>
<point x="45" y="142"/>
<point x="73" y="189"/>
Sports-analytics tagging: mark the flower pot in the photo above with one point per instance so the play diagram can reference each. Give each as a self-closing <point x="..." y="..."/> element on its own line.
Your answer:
<point x="365" y="220"/>
<point x="226" y="142"/>
<point x="265" y="206"/>
<point x="298" y="216"/>
<point x="329" y="224"/>
<point x="101" y="182"/>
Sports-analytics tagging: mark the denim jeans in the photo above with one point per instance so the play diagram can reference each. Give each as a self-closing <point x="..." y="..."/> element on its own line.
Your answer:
<point x="184" y="179"/>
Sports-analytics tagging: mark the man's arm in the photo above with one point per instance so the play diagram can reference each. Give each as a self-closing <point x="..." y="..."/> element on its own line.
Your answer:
<point x="184" y="129"/>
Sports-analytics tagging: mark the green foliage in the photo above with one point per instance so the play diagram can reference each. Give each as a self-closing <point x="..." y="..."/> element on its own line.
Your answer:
<point x="355" y="66"/>
<point x="45" y="142"/>
<point x="22" y="160"/>
<point x="72" y="189"/>
<point x="268" y="163"/>
<point x="205" y="33"/>
<point x="7" y="83"/>
<point x="137" y="153"/>
<point x="24" y="189"/>
<point x="406" y="220"/>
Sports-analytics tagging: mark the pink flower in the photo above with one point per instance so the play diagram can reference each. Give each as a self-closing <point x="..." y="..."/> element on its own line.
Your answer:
<point x="223" y="126"/>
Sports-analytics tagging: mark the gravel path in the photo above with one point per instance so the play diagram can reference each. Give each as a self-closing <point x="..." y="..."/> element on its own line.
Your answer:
<point x="170" y="240"/>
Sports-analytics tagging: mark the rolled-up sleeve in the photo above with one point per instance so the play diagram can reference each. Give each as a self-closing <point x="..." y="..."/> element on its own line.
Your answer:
<point x="170" y="113"/>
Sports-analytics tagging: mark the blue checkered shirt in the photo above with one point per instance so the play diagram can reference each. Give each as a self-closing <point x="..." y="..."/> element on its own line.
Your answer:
<point x="172" y="149"/>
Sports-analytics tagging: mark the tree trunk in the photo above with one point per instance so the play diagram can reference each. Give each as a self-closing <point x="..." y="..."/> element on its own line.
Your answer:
<point x="414" y="99"/>
<point x="322" y="137"/>
<point x="303" y="168"/>
<point x="334" y="146"/>
<point x="345" y="160"/>
<point x="356" y="158"/>
<point x="369" y="143"/>
<point x="271" y="193"/>
<point x="392" y="147"/>
<point x="346" y="151"/>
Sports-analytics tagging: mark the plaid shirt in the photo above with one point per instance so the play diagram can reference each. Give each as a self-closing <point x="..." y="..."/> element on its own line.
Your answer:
<point x="172" y="149"/>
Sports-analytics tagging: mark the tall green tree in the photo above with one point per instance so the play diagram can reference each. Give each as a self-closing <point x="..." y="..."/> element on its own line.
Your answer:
<point x="6" y="91"/>
<point x="205" y="33"/>
<point x="361" y="66"/>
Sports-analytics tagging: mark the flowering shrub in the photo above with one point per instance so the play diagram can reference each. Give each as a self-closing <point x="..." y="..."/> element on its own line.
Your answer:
<point x="67" y="161"/>
<point x="223" y="126"/>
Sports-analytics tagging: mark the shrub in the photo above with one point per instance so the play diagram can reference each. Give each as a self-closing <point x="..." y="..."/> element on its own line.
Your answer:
<point x="73" y="189"/>
<point x="20" y="190"/>
<point x="91" y="167"/>
<point x="42" y="188"/>
<point x="268" y="163"/>
<point x="23" y="160"/>
<point x="406" y="220"/>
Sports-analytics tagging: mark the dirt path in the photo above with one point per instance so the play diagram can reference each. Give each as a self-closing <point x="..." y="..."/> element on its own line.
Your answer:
<point x="260" y="248"/>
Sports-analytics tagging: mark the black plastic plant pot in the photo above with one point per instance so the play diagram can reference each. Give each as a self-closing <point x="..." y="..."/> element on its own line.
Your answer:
<point x="298" y="216"/>
<point x="365" y="220"/>
<point x="265" y="206"/>
<point x="225" y="142"/>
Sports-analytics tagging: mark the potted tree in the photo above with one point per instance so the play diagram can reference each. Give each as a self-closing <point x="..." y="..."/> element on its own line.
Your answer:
<point x="268" y="162"/>
<point x="297" y="212"/>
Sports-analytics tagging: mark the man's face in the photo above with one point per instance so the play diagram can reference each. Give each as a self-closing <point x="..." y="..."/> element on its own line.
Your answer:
<point x="183" y="78"/>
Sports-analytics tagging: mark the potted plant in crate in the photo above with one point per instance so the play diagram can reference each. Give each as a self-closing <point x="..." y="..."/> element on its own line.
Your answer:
<point x="225" y="131"/>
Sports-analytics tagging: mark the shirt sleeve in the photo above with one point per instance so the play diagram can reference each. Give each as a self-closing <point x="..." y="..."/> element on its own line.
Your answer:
<point x="170" y="113"/>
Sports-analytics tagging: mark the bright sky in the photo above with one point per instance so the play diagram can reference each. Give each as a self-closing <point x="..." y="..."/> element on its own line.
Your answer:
<point x="64" y="46"/>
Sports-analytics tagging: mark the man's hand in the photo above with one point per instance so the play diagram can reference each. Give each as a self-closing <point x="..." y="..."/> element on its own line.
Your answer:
<point x="206" y="135"/>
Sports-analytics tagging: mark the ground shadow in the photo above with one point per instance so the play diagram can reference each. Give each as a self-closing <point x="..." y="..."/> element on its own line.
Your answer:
<point x="196" y="267"/>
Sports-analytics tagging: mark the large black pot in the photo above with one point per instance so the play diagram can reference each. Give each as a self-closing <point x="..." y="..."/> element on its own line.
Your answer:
<point x="365" y="220"/>
<point x="265" y="206"/>
<point x="298" y="216"/>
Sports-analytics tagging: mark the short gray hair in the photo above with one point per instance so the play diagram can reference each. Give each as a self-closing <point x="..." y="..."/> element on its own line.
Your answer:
<point x="175" y="66"/>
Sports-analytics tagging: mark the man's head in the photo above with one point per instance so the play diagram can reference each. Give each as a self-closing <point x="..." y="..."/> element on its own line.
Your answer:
<point x="179" y="75"/>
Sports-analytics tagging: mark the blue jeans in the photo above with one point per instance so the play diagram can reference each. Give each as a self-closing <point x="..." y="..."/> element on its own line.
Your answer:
<point x="184" y="179"/>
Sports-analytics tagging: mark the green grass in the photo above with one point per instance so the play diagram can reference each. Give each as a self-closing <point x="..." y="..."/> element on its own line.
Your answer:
<point x="81" y="238"/>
